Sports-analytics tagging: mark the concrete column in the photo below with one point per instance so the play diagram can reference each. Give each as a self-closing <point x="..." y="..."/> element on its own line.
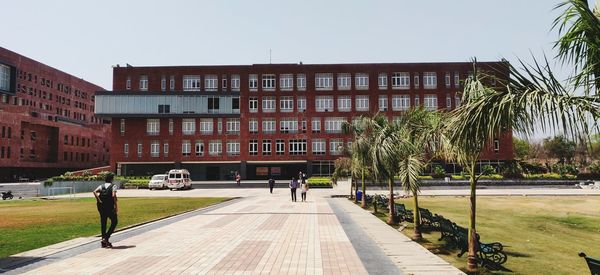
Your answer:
<point x="309" y="171"/>
<point x="243" y="169"/>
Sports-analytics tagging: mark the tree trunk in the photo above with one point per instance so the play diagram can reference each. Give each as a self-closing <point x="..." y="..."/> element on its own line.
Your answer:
<point x="355" y="191"/>
<point x="472" y="255"/>
<point x="351" y="191"/>
<point x="391" y="206"/>
<point x="364" y="194"/>
<point x="417" y="233"/>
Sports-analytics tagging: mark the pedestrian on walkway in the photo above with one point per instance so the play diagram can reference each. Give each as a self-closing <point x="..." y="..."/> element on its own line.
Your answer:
<point x="293" y="187"/>
<point x="238" y="178"/>
<point x="106" y="202"/>
<point x="271" y="184"/>
<point x="303" y="189"/>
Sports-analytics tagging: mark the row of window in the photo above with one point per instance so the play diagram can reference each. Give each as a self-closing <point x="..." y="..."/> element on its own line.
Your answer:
<point x="82" y="157"/>
<point x="345" y="102"/>
<point x="5" y="152"/>
<point x="6" y="132"/>
<point x="43" y="82"/>
<point x="190" y="126"/>
<point x="76" y="141"/>
<point x="323" y="81"/>
<point x="266" y="146"/>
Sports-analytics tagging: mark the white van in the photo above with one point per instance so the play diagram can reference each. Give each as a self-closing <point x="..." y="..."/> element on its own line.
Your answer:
<point x="179" y="179"/>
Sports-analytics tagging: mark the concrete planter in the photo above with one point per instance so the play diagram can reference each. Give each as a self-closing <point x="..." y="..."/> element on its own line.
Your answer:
<point x="78" y="187"/>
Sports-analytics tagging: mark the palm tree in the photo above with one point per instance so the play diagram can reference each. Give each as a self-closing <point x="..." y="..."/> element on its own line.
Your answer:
<point x="533" y="98"/>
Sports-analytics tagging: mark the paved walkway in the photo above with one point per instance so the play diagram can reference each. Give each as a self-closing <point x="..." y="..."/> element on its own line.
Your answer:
<point x="258" y="233"/>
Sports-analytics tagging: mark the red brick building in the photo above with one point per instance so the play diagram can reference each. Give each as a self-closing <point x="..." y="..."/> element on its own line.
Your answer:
<point x="268" y="119"/>
<point x="47" y="121"/>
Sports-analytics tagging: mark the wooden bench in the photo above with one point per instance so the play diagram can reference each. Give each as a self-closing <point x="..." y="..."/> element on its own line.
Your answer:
<point x="593" y="263"/>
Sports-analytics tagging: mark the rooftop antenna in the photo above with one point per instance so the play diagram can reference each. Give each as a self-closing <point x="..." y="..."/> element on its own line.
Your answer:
<point x="269" y="55"/>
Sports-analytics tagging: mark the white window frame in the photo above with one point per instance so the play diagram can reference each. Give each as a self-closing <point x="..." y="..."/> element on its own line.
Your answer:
<point x="417" y="103"/>
<point x="286" y="82"/>
<point x="233" y="147"/>
<point x="401" y="80"/>
<point x="269" y="82"/>
<point x="128" y="83"/>
<point x="140" y="150"/>
<point x="268" y="104"/>
<point x="211" y="83"/>
<point x="457" y="101"/>
<point x="191" y="83"/>
<point x="155" y="149"/>
<point x="253" y="82"/>
<point x="333" y="125"/>
<point x="253" y="104"/>
<point x="253" y="126"/>
<point x="163" y="83"/>
<point x="288" y="125"/>
<point x="206" y="126"/>
<point x="316" y="124"/>
<point x="362" y="103"/>
<point x="456" y="79"/>
<point x="172" y="83"/>
<point x="344" y="103"/>
<point x="319" y="147"/>
<point x="416" y="81"/>
<point x="448" y="102"/>
<point x="430" y="102"/>
<point x="447" y="80"/>
<point x="383" y="103"/>
<point x="199" y="148"/>
<point x="143" y="83"/>
<point x="153" y="127"/>
<point x="122" y="126"/>
<point x="186" y="148"/>
<point x="253" y="147"/>
<point x="126" y="149"/>
<point x="301" y="82"/>
<point x="400" y="102"/>
<point x="280" y="147"/>
<point x="266" y="147"/>
<point x="430" y="80"/>
<point x="361" y="81"/>
<point x="336" y="146"/>
<point x="344" y="81"/>
<point x="215" y="148"/>
<point x="235" y="82"/>
<point x="382" y="81"/>
<point x="268" y="126"/>
<point x="324" y="103"/>
<point x="323" y="81"/>
<point x="301" y="103"/>
<point x="286" y="104"/>
<point x="188" y="126"/>
<point x="297" y="146"/>
<point x="233" y="126"/>
<point x="166" y="149"/>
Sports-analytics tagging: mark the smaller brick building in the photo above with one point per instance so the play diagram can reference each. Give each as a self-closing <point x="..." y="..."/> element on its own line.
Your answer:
<point x="47" y="121"/>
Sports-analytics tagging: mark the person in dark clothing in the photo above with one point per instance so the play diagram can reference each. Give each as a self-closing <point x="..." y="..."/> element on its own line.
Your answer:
<point x="293" y="187"/>
<point x="271" y="184"/>
<point x="106" y="202"/>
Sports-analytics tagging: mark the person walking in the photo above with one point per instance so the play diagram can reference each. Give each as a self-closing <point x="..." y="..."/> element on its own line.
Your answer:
<point x="106" y="202"/>
<point x="271" y="184"/>
<point x="303" y="189"/>
<point x="293" y="187"/>
<point x="238" y="178"/>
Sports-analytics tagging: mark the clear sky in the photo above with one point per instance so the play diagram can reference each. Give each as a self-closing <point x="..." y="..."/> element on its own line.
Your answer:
<point x="86" y="38"/>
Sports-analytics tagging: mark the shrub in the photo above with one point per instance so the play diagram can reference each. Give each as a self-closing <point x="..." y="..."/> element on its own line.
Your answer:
<point x="594" y="168"/>
<point x="565" y="169"/>
<point x="319" y="181"/>
<point x="512" y="170"/>
<point x="488" y="169"/>
<point x="438" y="172"/>
<point x="137" y="183"/>
<point x="425" y="177"/>
<point x="533" y="168"/>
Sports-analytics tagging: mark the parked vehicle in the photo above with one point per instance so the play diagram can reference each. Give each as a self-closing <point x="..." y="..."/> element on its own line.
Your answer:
<point x="179" y="179"/>
<point x="158" y="182"/>
<point x="7" y="195"/>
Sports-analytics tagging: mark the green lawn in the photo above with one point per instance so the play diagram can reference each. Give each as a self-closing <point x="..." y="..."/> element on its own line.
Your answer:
<point x="30" y="224"/>
<point x="541" y="235"/>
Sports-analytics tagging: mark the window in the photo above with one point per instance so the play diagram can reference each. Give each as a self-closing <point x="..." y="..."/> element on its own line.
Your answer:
<point x="268" y="125"/>
<point x="336" y="146"/>
<point x="456" y="79"/>
<point x="301" y="82"/>
<point x="301" y="103"/>
<point x="288" y="125"/>
<point x="233" y="148"/>
<point x="297" y="147"/>
<point x="416" y="81"/>
<point x="457" y="100"/>
<point x="266" y="147"/>
<point x="280" y="147"/>
<point x="215" y="148"/>
<point x="268" y="82"/>
<point x="211" y="83"/>
<point x="429" y="80"/>
<point x="400" y="102"/>
<point x="166" y="149"/>
<point x="128" y="83"/>
<point x="344" y="81"/>
<point x="361" y="81"/>
<point x="496" y="145"/>
<point x="191" y="83"/>
<point x="199" y="148"/>
<point x="139" y="150"/>
<point x="253" y="147"/>
<point x="304" y="125"/>
<point x="233" y="126"/>
<point x="430" y="102"/>
<point x="268" y="104"/>
<point x="382" y="81"/>
<point x="224" y="82"/>
<point x="213" y="105"/>
<point x="154" y="148"/>
<point x="362" y="102"/>
<point x="253" y="104"/>
<point x="334" y="124"/>
<point x="447" y="79"/>
<point x="318" y="147"/>
<point x="188" y="126"/>
<point x="164" y="109"/>
<point x="186" y="148"/>
<point x="286" y="104"/>
<point x="235" y="104"/>
<point x="171" y="126"/>
<point x="324" y="81"/>
<point x="316" y="124"/>
<point x="122" y="126"/>
<point x="417" y="101"/>
<point x="172" y="83"/>
<point x="383" y="103"/>
<point x="126" y="149"/>
<point x="286" y="82"/>
<point x="206" y="126"/>
<point x="448" y="102"/>
<point x="163" y="83"/>
<point x="153" y="127"/>
<point x="253" y="82"/>
<point x="253" y="126"/>
<point x="4" y="77"/>
<point x="235" y="82"/>
<point x="324" y="103"/>
<point x="143" y="83"/>
<point x="344" y="103"/>
<point x="401" y="80"/>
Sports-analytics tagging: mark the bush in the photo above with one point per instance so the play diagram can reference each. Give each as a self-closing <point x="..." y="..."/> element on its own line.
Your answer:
<point x="488" y="169"/>
<point x="319" y="181"/>
<point x="550" y="176"/>
<point x="594" y="168"/>
<point x="425" y="177"/>
<point x="533" y="168"/>
<point x="511" y="170"/>
<point x="139" y="183"/>
<point x="438" y="172"/>
<point x="565" y="169"/>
